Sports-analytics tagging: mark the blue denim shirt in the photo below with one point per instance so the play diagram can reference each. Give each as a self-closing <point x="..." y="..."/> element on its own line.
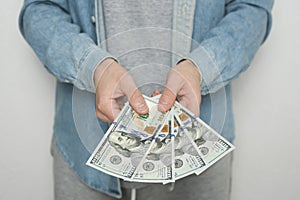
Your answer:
<point x="220" y="36"/>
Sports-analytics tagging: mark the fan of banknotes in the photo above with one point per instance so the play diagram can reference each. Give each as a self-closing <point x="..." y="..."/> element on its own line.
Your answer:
<point x="158" y="147"/>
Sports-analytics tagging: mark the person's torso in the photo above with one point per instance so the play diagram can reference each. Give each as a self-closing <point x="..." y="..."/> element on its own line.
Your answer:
<point x="139" y="35"/>
<point x="70" y="135"/>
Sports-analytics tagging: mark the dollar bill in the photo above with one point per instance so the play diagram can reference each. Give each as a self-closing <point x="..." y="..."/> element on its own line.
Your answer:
<point x="158" y="147"/>
<point x="187" y="158"/>
<point x="127" y="141"/>
<point x="147" y="125"/>
<point x="156" y="166"/>
<point x="211" y="145"/>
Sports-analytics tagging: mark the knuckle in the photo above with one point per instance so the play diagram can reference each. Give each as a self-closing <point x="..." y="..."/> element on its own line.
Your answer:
<point x="98" y="108"/>
<point x="106" y="120"/>
<point x="99" y="114"/>
<point x="102" y="117"/>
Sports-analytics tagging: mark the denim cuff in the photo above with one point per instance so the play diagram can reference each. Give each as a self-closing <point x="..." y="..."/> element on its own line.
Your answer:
<point x="208" y="68"/>
<point x="85" y="76"/>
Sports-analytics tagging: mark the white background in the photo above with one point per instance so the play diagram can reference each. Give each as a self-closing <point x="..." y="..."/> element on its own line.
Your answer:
<point x="266" y="105"/>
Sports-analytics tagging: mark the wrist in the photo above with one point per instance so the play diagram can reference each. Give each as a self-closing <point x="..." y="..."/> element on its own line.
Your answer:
<point x="101" y="69"/>
<point x="193" y="68"/>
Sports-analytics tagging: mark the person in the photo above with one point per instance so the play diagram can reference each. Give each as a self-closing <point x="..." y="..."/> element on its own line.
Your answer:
<point x="116" y="49"/>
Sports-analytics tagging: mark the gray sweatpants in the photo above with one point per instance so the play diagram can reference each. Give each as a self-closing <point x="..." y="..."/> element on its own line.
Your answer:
<point x="213" y="184"/>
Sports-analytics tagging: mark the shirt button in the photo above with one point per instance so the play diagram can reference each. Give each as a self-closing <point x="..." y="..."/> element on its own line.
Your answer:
<point x="93" y="19"/>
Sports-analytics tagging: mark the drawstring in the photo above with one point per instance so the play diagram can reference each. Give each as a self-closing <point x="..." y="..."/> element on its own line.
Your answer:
<point x="172" y="186"/>
<point x="133" y="191"/>
<point x="133" y="194"/>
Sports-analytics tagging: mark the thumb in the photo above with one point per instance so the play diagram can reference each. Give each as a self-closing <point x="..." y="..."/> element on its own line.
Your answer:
<point x="135" y="97"/>
<point x="166" y="100"/>
<point x="173" y="86"/>
<point x="138" y="103"/>
<point x="170" y="92"/>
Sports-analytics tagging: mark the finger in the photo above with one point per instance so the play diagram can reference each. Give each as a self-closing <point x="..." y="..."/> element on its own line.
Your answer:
<point x="102" y="116"/>
<point x="196" y="100"/>
<point x="136" y="99"/>
<point x="120" y="102"/>
<point x="108" y="110"/>
<point x="174" y="83"/>
<point x="190" y="96"/>
<point x="138" y="102"/>
<point x="155" y="93"/>
<point x="193" y="106"/>
<point x="166" y="100"/>
<point x="115" y="113"/>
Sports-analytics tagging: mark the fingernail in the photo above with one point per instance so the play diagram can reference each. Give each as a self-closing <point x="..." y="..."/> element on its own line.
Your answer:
<point x="163" y="103"/>
<point x="141" y="106"/>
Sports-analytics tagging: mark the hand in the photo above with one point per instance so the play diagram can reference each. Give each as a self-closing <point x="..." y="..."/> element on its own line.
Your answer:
<point x="183" y="84"/>
<point x="113" y="82"/>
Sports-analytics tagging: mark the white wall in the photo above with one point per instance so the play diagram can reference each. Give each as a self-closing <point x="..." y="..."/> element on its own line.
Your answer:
<point x="26" y="115"/>
<point x="266" y="105"/>
<point x="266" y="164"/>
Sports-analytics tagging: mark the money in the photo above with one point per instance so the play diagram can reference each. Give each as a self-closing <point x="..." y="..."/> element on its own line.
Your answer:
<point x="211" y="145"/>
<point x="145" y="126"/>
<point x="156" y="166"/>
<point x="127" y="141"/>
<point x="187" y="157"/>
<point x="158" y="147"/>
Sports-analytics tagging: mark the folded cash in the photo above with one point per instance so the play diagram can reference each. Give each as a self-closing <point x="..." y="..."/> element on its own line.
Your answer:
<point x="158" y="147"/>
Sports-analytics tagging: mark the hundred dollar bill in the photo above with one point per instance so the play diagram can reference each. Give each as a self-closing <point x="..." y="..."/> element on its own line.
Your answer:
<point x="126" y="142"/>
<point x="156" y="166"/>
<point x="145" y="126"/>
<point x="212" y="146"/>
<point x="187" y="158"/>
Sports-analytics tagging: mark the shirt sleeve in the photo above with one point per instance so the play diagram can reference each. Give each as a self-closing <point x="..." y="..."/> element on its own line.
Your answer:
<point x="228" y="48"/>
<point x="67" y="52"/>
